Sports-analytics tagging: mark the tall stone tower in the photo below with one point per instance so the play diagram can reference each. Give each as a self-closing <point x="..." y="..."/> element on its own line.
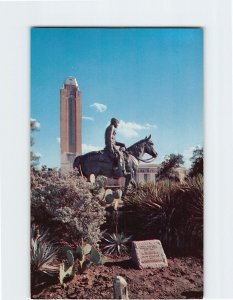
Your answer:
<point x="70" y="122"/>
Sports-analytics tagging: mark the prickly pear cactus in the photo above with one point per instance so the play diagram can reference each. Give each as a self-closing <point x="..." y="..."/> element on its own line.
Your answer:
<point x="79" y="253"/>
<point x="88" y="255"/>
<point x="96" y="257"/>
<point x="86" y="249"/>
<point x="67" y="267"/>
<point x="70" y="258"/>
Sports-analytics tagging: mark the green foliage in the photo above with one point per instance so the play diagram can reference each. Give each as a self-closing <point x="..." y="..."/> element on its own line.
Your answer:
<point x="87" y="255"/>
<point x="116" y="244"/>
<point x="169" y="211"/>
<point x="43" y="253"/>
<point x="195" y="209"/>
<point x="70" y="257"/>
<point x="168" y="166"/>
<point x="67" y="270"/>
<point x="96" y="257"/>
<point x="71" y="201"/>
<point x="148" y="197"/>
<point x="197" y="162"/>
<point x="34" y="126"/>
<point x="35" y="158"/>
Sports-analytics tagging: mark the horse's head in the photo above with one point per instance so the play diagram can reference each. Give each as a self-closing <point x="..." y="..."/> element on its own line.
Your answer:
<point x="149" y="147"/>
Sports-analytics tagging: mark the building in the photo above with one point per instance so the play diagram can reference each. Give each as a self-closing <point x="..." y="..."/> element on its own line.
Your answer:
<point x="70" y="123"/>
<point x="147" y="172"/>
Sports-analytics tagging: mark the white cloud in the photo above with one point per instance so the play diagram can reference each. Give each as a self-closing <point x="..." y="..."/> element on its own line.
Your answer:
<point x="149" y="126"/>
<point x="58" y="140"/>
<point x="187" y="154"/>
<point x="34" y="124"/>
<point x="87" y="148"/>
<point x="87" y="118"/>
<point x="131" y="129"/>
<point x="99" y="107"/>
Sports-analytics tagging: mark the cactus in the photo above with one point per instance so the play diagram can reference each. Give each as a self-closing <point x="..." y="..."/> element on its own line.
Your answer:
<point x="112" y="197"/>
<point x="96" y="257"/>
<point x="67" y="267"/>
<point x="87" y="249"/>
<point x="66" y="271"/>
<point x="88" y="255"/>
<point x="81" y="253"/>
<point x="109" y="198"/>
<point x="70" y="258"/>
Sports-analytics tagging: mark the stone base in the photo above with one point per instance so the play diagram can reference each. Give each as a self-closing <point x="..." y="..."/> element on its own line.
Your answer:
<point x="67" y="160"/>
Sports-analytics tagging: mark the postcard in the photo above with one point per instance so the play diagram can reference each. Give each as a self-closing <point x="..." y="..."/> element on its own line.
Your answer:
<point x="117" y="140"/>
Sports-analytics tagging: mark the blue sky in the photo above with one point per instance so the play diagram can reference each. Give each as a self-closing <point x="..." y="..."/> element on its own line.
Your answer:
<point x="149" y="78"/>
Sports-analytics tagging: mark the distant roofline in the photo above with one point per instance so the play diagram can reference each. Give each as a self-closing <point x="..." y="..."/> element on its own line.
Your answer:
<point x="145" y="165"/>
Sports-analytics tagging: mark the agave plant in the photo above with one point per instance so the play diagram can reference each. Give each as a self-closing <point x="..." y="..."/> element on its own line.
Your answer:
<point x="117" y="244"/>
<point x="43" y="253"/>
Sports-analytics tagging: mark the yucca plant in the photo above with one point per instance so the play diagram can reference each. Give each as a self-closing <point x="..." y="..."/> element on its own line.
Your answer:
<point x="165" y="228"/>
<point x="116" y="244"/>
<point x="195" y="208"/>
<point x="43" y="253"/>
<point x="168" y="210"/>
<point x="150" y="196"/>
<point x="144" y="204"/>
<point x="163" y="212"/>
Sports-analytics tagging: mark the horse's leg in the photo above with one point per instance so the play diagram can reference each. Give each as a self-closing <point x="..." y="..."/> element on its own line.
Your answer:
<point x="127" y="182"/>
<point x="130" y="178"/>
<point x="133" y="179"/>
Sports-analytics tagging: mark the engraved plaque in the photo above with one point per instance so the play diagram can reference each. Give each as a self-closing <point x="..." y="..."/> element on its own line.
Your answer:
<point x="149" y="254"/>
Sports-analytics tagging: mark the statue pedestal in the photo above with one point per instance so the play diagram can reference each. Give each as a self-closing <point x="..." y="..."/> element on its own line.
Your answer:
<point x="115" y="183"/>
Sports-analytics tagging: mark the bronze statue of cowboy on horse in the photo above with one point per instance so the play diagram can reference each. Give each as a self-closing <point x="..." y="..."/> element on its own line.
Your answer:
<point x="113" y="161"/>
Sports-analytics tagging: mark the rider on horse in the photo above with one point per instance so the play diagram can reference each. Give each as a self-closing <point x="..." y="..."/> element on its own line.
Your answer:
<point x="115" y="154"/>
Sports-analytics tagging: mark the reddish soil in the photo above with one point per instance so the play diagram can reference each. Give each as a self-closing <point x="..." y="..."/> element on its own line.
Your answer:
<point x="182" y="279"/>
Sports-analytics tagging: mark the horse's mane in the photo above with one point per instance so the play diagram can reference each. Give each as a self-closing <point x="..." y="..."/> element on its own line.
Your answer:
<point x="135" y="145"/>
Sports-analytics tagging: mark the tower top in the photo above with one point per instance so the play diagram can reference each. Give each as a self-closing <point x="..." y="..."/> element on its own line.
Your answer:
<point x="71" y="81"/>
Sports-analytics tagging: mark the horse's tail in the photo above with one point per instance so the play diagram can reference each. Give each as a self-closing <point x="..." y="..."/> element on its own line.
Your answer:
<point x="77" y="164"/>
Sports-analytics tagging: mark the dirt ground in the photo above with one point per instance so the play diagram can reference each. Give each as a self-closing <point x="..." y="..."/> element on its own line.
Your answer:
<point x="182" y="279"/>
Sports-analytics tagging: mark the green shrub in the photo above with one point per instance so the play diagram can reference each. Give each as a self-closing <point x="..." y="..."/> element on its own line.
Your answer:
<point x="169" y="211"/>
<point x="195" y="209"/>
<point x="72" y="202"/>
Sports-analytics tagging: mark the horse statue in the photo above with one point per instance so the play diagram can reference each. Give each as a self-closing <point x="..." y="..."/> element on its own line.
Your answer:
<point x="99" y="162"/>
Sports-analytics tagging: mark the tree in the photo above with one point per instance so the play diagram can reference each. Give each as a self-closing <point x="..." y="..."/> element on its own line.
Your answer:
<point x="34" y="126"/>
<point x="197" y="162"/>
<point x="168" y="166"/>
